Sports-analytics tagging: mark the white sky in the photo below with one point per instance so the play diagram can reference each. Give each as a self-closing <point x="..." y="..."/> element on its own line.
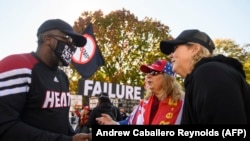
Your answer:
<point x="227" y="19"/>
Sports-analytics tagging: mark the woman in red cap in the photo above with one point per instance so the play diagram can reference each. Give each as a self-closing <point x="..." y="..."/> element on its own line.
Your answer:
<point x="163" y="102"/>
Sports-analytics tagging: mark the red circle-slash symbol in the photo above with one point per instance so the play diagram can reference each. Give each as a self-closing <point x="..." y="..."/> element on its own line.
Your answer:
<point x="84" y="54"/>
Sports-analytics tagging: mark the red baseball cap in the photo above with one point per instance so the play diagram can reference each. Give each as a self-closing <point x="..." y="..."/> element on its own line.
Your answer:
<point x="160" y="66"/>
<point x="156" y="66"/>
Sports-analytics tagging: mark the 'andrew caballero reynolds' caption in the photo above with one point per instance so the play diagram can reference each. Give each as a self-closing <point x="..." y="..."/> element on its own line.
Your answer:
<point x="157" y="132"/>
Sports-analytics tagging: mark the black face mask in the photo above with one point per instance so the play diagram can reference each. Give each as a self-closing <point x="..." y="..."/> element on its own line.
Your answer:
<point x="64" y="52"/>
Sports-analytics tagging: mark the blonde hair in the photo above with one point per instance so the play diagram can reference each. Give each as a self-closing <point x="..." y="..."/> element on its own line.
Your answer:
<point x="203" y="52"/>
<point x="171" y="87"/>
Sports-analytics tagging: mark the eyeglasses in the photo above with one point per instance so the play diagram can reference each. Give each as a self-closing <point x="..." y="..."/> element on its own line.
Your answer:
<point x="154" y="73"/>
<point x="67" y="38"/>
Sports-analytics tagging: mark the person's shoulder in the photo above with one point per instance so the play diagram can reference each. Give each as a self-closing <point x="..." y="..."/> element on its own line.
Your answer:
<point x="20" y="55"/>
<point x="218" y="63"/>
<point x="62" y="72"/>
<point x="95" y="109"/>
<point x="116" y="107"/>
<point x="210" y="64"/>
<point x="210" y="68"/>
<point x="24" y="60"/>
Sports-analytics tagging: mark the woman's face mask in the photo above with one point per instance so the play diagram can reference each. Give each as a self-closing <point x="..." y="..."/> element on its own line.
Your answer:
<point x="64" y="52"/>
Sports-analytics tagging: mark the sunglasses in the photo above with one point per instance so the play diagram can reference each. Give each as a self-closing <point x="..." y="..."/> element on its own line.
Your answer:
<point x="154" y="73"/>
<point x="67" y="39"/>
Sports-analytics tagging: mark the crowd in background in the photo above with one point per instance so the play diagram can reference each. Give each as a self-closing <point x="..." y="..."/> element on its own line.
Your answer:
<point x="82" y="118"/>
